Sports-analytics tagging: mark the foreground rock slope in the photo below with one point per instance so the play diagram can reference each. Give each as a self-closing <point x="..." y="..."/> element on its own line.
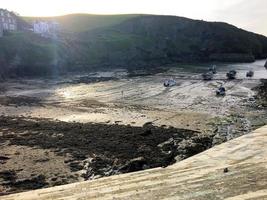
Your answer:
<point x="70" y="152"/>
<point x="234" y="170"/>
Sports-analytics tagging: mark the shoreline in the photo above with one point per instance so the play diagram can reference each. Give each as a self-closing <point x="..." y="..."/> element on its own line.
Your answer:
<point x="56" y="134"/>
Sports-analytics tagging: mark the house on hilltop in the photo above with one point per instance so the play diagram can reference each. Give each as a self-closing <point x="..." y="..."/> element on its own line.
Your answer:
<point x="47" y="29"/>
<point x="1" y="30"/>
<point x="8" y="21"/>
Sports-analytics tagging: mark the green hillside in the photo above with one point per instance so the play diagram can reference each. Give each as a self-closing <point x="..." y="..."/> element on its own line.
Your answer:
<point x="147" y="41"/>
<point x="84" y="22"/>
<point x="27" y="54"/>
<point x="88" y="42"/>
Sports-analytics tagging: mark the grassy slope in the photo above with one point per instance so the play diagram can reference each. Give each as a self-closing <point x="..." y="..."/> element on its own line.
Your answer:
<point x="157" y="40"/>
<point x="85" y="22"/>
<point x="27" y="54"/>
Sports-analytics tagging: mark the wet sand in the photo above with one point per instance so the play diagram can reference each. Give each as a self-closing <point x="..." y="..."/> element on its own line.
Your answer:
<point x="60" y="131"/>
<point x="134" y="100"/>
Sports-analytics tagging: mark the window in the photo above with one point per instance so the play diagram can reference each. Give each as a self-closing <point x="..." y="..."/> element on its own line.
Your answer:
<point x="12" y="27"/>
<point x="5" y="25"/>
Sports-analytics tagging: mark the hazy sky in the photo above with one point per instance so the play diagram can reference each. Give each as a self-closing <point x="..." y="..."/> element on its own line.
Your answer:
<point x="247" y="14"/>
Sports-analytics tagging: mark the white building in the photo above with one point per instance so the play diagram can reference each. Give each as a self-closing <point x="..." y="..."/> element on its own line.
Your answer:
<point x="46" y="29"/>
<point x="1" y="30"/>
<point x="8" y="21"/>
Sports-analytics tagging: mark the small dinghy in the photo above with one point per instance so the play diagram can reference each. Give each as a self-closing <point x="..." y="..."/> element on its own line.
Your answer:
<point x="221" y="91"/>
<point x="250" y="73"/>
<point x="169" y="83"/>
<point x="207" y="76"/>
<point x="231" y="74"/>
<point x="213" y="69"/>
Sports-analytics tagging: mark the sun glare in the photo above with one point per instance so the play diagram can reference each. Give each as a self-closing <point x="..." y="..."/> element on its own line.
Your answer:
<point x="230" y="11"/>
<point x="190" y="8"/>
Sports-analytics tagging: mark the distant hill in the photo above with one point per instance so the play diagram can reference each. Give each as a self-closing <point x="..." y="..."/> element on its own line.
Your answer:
<point x="149" y="40"/>
<point x="84" y="22"/>
<point x="88" y="42"/>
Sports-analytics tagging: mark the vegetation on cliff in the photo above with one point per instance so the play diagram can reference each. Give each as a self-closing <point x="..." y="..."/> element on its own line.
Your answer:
<point x="27" y="54"/>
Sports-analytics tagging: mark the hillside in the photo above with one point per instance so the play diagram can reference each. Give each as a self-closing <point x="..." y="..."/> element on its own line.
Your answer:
<point x="23" y="54"/>
<point x="128" y="41"/>
<point x="165" y="39"/>
<point x="147" y="41"/>
<point x="83" y="22"/>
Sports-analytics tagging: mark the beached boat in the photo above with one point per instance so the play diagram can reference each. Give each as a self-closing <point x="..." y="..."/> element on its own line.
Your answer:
<point x="231" y="74"/>
<point x="169" y="83"/>
<point x="250" y="73"/>
<point x="207" y="76"/>
<point x="221" y="91"/>
<point x="213" y="69"/>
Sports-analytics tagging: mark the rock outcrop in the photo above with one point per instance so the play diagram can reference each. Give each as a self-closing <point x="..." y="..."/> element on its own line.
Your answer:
<point x="265" y="64"/>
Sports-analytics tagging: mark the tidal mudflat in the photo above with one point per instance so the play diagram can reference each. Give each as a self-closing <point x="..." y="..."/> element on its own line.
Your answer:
<point x="75" y="128"/>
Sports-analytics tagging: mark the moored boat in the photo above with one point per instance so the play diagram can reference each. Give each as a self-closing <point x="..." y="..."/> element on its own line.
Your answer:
<point x="231" y="74"/>
<point x="207" y="76"/>
<point x="221" y="91"/>
<point x="213" y="69"/>
<point x="250" y="73"/>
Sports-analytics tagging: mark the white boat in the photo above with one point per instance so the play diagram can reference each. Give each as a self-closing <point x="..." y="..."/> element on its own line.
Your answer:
<point x="169" y="83"/>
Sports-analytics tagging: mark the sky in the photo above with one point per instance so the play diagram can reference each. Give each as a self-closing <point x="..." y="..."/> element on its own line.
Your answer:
<point x="247" y="14"/>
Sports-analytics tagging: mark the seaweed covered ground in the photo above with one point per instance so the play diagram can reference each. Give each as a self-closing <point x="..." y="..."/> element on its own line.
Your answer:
<point x="262" y="93"/>
<point x="87" y="150"/>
